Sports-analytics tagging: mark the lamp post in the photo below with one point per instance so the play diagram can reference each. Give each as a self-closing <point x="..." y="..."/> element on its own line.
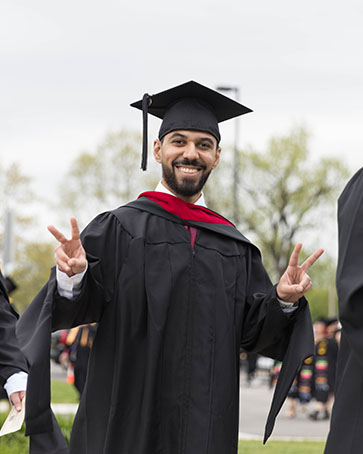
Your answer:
<point x="235" y="178"/>
<point x="8" y="246"/>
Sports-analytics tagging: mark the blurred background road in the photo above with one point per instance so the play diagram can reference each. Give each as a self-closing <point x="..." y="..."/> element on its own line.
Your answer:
<point x="255" y="401"/>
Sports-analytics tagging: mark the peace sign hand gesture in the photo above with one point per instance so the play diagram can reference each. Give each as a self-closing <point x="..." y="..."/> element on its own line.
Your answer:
<point x="295" y="282"/>
<point x="70" y="255"/>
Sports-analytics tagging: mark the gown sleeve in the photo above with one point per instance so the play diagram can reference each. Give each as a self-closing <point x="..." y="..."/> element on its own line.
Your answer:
<point x="266" y="327"/>
<point x="270" y="332"/>
<point x="349" y="277"/>
<point x="11" y="358"/>
<point x="106" y="244"/>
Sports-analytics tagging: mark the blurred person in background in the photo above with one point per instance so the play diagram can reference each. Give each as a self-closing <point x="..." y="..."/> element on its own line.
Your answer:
<point x="326" y="349"/>
<point x="80" y="341"/>
<point x="13" y="366"/>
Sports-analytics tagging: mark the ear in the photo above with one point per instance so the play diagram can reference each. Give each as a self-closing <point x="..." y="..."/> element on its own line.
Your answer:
<point x="218" y="155"/>
<point x="157" y="150"/>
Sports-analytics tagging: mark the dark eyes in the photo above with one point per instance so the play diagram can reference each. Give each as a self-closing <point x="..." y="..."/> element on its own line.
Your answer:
<point x="205" y="145"/>
<point x="179" y="141"/>
<point x="182" y="142"/>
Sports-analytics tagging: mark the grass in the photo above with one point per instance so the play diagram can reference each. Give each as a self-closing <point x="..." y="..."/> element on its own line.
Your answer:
<point x="62" y="393"/>
<point x="280" y="447"/>
<point x="17" y="443"/>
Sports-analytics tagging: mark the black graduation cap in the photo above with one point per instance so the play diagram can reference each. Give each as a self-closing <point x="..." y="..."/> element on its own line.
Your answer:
<point x="189" y="106"/>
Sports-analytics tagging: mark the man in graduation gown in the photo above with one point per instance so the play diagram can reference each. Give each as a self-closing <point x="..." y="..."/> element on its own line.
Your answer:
<point x="13" y="366"/>
<point x="176" y="291"/>
<point x="346" y="435"/>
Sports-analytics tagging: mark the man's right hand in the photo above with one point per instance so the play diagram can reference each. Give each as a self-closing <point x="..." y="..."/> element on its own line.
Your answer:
<point x="16" y="398"/>
<point x="70" y="255"/>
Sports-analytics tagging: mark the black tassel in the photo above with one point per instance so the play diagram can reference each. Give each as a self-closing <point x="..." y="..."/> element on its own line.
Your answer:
<point x="145" y="105"/>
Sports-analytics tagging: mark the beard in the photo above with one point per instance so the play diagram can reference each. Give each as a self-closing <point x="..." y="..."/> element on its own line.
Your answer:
<point x="187" y="187"/>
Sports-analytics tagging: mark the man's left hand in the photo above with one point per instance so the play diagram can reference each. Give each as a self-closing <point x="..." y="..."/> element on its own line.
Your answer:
<point x="295" y="282"/>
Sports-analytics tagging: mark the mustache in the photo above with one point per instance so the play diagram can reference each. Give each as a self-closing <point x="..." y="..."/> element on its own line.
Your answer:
<point x="188" y="162"/>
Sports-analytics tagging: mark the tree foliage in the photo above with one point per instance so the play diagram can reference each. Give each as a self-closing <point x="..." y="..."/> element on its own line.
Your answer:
<point x="105" y="178"/>
<point x="16" y="197"/>
<point x="285" y="195"/>
<point x="32" y="270"/>
<point x="16" y="193"/>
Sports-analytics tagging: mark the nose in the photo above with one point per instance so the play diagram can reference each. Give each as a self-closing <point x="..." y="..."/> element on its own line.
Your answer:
<point x="190" y="151"/>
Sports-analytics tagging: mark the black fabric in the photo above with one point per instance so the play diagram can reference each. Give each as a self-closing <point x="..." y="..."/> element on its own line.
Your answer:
<point x="345" y="433"/>
<point x="34" y="334"/>
<point x="190" y="114"/>
<point x="145" y="105"/>
<point x="11" y="358"/>
<point x="164" y="368"/>
<point x="333" y="349"/>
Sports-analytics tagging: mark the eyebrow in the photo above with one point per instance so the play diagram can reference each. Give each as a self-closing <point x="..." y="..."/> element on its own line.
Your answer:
<point x="177" y="134"/>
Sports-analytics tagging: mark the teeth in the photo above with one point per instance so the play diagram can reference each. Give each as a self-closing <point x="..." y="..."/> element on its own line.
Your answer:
<point x="188" y="170"/>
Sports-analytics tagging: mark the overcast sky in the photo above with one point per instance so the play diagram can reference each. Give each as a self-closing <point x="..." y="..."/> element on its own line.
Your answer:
<point x="69" y="70"/>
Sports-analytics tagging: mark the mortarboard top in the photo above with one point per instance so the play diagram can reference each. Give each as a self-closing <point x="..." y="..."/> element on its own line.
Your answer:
<point x="189" y="106"/>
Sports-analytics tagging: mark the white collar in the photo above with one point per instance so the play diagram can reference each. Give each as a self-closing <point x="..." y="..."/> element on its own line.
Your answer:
<point x="161" y="188"/>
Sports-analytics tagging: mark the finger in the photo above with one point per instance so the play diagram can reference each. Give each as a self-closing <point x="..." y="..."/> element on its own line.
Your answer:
<point x="307" y="288"/>
<point x="312" y="259"/>
<point x="290" y="293"/>
<point x="75" y="228"/>
<point x="57" y="234"/>
<point x="301" y="290"/>
<point x="294" y="258"/>
<point x="63" y="266"/>
<point x="77" y="265"/>
<point x="305" y="281"/>
<point x="15" y="398"/>
<point x="59" y="254"/>
<point x="79" y="261"/>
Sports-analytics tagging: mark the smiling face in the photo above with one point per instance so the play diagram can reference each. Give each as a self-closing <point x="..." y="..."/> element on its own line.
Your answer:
<point x="187" y="159"/>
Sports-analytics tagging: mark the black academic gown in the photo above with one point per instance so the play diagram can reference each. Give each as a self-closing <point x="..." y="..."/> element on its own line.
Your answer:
<point x="346" y="435"/>
<point x="11" y="358"/>
<point x="164" y="369"/>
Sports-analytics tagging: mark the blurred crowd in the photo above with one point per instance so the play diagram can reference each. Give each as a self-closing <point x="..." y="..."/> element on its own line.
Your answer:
<point x="71" y="349"/>
<point x="312" y="390"/>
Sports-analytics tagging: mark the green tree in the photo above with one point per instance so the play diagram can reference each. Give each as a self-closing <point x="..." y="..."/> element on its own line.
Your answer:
<point x="284" y="195"/>
<point x="16" y="192"/>
<point x="105" y="178"/>
<point x="17" y="196"/>
<point x="33" y="264"/>
<point x="322" y="297"/>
